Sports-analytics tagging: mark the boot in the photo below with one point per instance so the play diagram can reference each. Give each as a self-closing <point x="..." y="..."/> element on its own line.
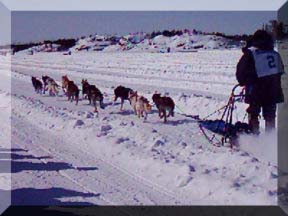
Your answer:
<point x="254" y="124"/>
<point x="269" y="124"/>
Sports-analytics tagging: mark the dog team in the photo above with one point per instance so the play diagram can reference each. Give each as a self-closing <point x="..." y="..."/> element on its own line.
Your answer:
<point x="139" y="104"/>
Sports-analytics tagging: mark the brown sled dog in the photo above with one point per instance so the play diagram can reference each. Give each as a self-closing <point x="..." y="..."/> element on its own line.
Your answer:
<point x="65" y="82"/>
<point x="93" y="94"/>
<point x="122" y="93"/>
<point x="163" y="105"/>
<point x="85" y="89"/>
<point x="73" y="92"/>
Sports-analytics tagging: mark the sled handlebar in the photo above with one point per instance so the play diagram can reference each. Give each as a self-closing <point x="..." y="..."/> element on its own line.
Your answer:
<point x="237" y="95"/>
<point x="234" y="88"/>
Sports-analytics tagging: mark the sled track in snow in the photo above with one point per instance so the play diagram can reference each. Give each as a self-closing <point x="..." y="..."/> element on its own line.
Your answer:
<point x="88" y="72"/>
<point x="62" y="173"/>
<point x="104" y="74"/>
<point x="123" y="175"/>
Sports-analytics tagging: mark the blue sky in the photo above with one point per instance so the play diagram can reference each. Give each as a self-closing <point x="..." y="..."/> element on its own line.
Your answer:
<point x="37" y="26"/>
<point x="34" y="25"/>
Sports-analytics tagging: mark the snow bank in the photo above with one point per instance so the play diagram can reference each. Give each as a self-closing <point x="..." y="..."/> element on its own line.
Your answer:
<point x="186" y="42"/>
<point x="141" y="42"/>
<point x="91" y="43"/>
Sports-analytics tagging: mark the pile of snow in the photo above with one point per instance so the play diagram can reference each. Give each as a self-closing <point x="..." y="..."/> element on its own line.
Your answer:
<point x="141" y="42"/>
<point x="186" y="42"/>
<point x="91" y="43"/>
<point x="126" y="42"/>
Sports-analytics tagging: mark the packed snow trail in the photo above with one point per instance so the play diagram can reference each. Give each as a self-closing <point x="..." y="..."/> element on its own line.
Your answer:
<point x="83" y="170"/>
<point x="115" y="157"/>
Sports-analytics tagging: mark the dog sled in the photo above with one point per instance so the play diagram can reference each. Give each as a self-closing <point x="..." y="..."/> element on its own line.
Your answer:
<point x="228" y="131"/>
<point x="225" y="128"/>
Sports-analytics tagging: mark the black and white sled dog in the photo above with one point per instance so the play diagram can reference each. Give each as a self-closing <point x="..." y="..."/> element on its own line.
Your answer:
<point x="50" y="85"/>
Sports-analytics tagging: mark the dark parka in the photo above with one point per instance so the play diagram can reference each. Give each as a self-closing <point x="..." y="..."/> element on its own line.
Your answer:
<point x="264" y="90"/>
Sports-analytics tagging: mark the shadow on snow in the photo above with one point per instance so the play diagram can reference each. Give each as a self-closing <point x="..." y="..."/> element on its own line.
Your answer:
<point x="50" y="196"/>
<point x="17" y="164"/>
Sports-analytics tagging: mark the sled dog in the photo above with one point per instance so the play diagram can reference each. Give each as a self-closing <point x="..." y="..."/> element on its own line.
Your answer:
<point x="122" y="93"/>
<point x="164" y="104"/>
<point x="72" y="92"/>
<point x="140" y="105"/>
<point x="50" y="85"/>
<point x="37" y="84"/>
<point x="65" y="82"/>
<point x="93" y="94"/>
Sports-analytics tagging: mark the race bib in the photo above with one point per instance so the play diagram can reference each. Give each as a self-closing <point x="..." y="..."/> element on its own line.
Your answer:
<point x="266" y="62"/>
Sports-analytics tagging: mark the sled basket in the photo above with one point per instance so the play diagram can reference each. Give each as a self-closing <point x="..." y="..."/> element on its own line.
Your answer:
<point x="226" y="129"/>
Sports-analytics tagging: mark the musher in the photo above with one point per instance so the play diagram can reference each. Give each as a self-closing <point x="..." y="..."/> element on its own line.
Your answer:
<point x="259" y="70"/>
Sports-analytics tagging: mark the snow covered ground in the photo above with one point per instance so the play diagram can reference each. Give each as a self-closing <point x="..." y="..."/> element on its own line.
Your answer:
<point x="65" y="154"/>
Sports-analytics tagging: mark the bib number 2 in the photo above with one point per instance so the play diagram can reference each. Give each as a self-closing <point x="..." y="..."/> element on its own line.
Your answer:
<point x="271" y="61"/>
